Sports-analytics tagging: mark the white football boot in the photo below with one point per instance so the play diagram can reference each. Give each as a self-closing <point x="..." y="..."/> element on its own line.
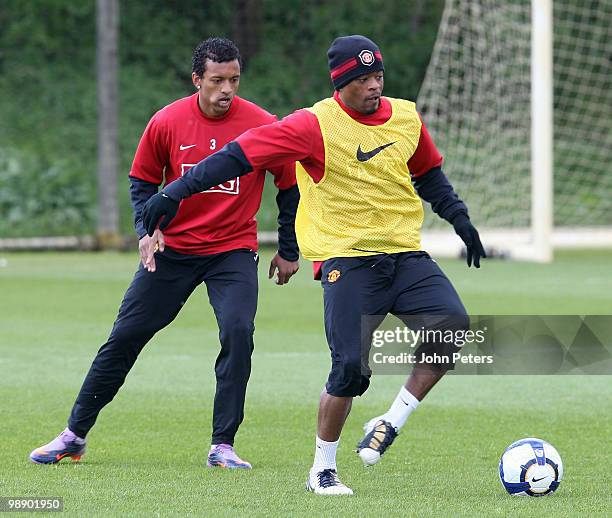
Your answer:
<point x="326" y="482"/>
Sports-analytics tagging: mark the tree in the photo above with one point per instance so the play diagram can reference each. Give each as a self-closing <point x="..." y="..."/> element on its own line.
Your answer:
<point x="107" y="68"/>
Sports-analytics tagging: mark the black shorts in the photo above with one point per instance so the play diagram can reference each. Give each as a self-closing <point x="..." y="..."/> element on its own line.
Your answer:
<point x="406" y="283"/>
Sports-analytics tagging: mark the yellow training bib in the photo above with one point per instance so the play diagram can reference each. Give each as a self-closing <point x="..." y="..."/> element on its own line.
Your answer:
<point x="365" y="203"/>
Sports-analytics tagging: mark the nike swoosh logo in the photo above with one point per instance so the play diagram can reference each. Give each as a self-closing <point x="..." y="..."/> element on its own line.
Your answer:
<point x="364" y="156"/>
<point x="182" y="148"/>
<point x="537" y="479"/>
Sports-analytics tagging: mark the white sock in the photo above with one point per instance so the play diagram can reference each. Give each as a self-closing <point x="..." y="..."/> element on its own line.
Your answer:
<point x="405" y="403"/>
<point x="325" y="455"/>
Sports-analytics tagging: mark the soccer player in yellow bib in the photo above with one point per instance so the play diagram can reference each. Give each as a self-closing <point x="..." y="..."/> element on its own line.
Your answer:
<point x="365" y="163"/>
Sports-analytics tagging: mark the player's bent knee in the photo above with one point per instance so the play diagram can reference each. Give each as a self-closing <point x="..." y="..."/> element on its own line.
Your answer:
<point x="444" y="338"/>
<point x="459" y="321"/>
<point x="124" y="334"/>
<point x="348" y="388"/>
<point x="453" y="319"/>
<point x="347" y="380"/>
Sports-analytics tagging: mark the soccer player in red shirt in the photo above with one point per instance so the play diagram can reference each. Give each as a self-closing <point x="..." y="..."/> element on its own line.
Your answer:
<point x="365" y="163"/>
<point x="213" y="240"/>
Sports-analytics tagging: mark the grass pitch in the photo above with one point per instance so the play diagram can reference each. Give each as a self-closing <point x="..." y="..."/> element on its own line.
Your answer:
<point x="146" y="455"/>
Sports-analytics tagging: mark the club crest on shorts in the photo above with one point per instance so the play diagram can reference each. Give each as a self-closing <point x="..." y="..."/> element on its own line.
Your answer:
<point x="366" y="57"/>
<point x="333" y="276"/>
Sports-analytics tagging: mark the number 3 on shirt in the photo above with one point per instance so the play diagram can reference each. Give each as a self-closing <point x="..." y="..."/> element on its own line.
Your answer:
<point x="213" y="143"/>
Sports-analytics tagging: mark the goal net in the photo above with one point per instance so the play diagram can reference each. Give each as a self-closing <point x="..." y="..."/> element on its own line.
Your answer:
<point x="476" y="101"/>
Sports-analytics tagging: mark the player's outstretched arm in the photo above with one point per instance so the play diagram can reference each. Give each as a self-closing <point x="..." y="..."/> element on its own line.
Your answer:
<point x="435" y="189"/>
<point x="230" y="162"/>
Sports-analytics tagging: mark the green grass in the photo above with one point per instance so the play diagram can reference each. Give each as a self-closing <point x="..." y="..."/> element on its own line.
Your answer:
<point x="147" y="452"/>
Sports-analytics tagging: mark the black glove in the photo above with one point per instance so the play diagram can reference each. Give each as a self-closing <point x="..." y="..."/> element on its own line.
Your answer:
<point x="468" y="233"/>
<point x="157" y="207"/>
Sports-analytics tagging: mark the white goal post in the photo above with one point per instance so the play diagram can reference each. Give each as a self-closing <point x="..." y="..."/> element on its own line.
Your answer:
<point x="518" y="98"/>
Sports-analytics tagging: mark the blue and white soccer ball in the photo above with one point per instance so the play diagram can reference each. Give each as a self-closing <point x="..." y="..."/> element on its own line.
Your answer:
<point x="530" y="467"/>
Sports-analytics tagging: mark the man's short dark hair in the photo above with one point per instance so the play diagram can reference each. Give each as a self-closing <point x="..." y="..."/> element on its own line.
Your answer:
<point x="219" y="50"/>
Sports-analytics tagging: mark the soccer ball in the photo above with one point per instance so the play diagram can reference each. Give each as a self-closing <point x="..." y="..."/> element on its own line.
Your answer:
<point x="530" y="467"/>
